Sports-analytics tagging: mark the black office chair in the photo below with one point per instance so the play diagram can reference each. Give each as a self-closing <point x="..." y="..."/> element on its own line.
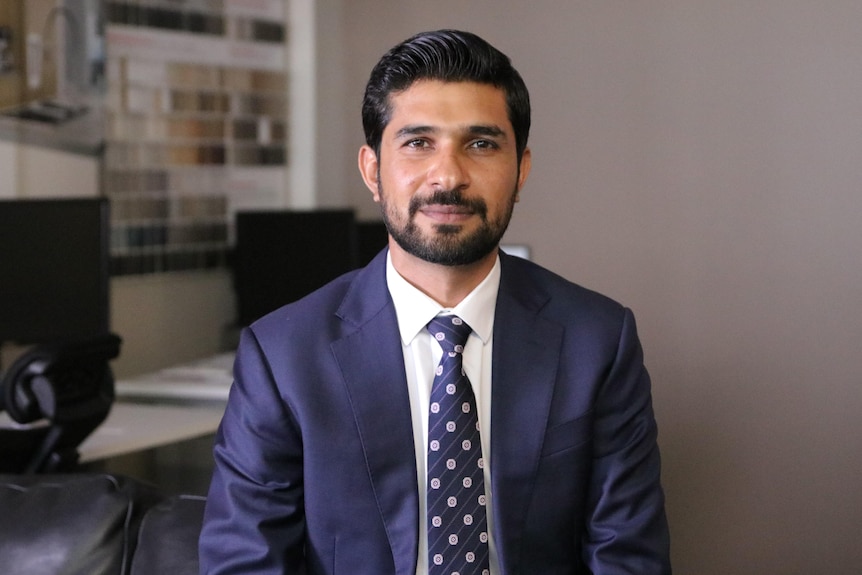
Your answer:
<point x="60" y="394"/>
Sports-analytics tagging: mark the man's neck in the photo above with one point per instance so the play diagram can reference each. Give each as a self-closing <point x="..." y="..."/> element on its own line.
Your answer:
<point x="447" y="285"/>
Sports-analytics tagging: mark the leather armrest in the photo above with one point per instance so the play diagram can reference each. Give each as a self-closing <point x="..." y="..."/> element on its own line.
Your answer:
<point x="65" y="525"/>
<point x="168" y="538"/>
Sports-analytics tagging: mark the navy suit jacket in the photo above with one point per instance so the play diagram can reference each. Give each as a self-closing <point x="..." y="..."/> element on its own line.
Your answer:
<point x="315" y="468"/>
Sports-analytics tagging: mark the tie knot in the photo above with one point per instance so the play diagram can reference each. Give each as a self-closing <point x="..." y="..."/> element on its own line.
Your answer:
<point x="450" y="331"/>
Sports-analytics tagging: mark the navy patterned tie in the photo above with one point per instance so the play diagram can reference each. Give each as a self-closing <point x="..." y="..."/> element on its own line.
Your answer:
<point x="457" y="526"/>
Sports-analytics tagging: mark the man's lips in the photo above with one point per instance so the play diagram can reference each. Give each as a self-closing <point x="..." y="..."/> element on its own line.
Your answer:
<point x="447" y="207"/>
<point x="446" y="213"/>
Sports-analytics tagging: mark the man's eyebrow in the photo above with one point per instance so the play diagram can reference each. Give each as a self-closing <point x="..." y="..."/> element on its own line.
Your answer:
<point x="489" y="130"/>
<point x="414" y="130"/>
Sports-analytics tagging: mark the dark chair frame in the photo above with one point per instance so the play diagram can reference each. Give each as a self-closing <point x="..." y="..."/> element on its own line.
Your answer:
<point x="59" y="393"/>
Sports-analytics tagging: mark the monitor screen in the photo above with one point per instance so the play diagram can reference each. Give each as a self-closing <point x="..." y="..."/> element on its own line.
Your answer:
<point x="373" y="237"/>
<point x="282" y="255"/>
<point x="53" y="269"/>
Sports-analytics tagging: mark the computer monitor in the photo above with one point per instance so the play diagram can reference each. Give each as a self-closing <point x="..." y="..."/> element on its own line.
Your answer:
<point x="53" y="269"/>
<point x="283" y="255"/>
<point x="373" y="237"/>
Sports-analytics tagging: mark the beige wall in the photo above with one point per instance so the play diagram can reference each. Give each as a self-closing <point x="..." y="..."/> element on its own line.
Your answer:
<point x="12" y="83"/>
<point x="25" y="18"/>
<point x="699" y="161"/>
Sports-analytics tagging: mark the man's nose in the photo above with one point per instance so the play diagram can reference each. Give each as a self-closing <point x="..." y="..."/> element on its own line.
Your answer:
<point x="449" y="171"/>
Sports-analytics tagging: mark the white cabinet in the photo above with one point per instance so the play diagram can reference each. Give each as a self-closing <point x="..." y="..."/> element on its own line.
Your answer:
<point x="30" y="171"/>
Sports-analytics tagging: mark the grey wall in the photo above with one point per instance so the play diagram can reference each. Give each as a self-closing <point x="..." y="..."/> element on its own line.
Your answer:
<point x="699" y="161"/>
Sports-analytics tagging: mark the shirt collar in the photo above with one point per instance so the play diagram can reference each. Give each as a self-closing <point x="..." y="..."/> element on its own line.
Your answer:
<point x="415" y="309"/>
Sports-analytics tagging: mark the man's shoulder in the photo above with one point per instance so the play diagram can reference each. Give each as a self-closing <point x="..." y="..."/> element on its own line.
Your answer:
<point x="528" y="279"/>
<point x="590" y="320"/>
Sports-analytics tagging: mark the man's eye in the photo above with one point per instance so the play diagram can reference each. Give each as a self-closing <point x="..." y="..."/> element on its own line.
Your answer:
<point x="417" y="143"/>
<point x="484" y="144"/>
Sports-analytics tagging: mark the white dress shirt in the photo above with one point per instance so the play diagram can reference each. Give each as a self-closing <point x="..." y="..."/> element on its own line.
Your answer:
<point x="421" y="352"/>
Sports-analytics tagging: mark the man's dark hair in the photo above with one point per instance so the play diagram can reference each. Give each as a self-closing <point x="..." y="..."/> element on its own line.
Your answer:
<point x="448" y="56"/>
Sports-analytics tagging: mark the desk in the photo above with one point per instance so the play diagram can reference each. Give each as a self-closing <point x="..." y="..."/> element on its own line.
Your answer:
<point x="208" y="380"/>
<point x="162" y="408"/>
<point x="132" y="427"/>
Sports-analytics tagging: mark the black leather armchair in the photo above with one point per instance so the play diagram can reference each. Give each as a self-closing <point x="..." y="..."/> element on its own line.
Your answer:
<point x="96" y="524"/>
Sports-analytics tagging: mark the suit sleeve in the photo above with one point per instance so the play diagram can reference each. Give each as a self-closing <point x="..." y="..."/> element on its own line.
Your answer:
<point x="627" y="529"/>
<point x="254" y="520"/>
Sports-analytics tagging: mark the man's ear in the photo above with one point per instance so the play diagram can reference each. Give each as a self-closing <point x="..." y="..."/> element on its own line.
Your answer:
<point x="369" y="168"/>
<point x="523" y="171"/>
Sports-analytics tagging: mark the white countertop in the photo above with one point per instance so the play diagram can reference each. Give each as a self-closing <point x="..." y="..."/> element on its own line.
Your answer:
<point x="206" y="380"/>
<point x="134" y="427"/>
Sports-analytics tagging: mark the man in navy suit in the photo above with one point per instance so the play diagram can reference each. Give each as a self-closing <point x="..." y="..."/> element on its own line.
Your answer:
<point x="321" y="455"/>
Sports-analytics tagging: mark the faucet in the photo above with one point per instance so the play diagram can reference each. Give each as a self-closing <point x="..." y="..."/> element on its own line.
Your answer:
<point x="67" y="93"/>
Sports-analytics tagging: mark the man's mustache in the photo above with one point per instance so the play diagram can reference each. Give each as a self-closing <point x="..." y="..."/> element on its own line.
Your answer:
<point x="448" y="198"/>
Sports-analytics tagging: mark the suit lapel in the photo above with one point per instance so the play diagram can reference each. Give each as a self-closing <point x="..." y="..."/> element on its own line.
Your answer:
<point x="525" y="361"/>
<point x="373" y="368"/>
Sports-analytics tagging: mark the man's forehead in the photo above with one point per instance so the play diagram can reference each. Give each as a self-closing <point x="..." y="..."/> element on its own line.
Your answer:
<point x="437" y="88"/>
<point x="426" y="102"/>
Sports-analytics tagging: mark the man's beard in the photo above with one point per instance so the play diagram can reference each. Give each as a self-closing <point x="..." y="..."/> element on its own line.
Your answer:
<point x="445" y="246"/>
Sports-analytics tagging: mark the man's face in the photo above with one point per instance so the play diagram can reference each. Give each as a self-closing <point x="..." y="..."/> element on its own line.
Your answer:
<point x="447" y="176"/>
